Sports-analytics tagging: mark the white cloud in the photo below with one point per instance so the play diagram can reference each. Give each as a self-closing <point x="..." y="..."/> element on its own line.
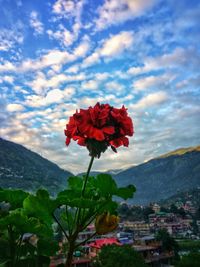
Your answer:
<point x="177" y="58"/>
<point x="102" y="76"/>
<point x="6" y="78"/>
<point x="153" y="81"/>
<point x="56" y="68"/>
<point x="41" y="84"/>
<point x="72" y="11"/>
<point x="90" y="85"/>
<point x="63" y="7"/>
<point x="35" y="23"/>
<point x="73" y="69"/>
<point x="118" y="11"/>
<point x="7" y="66"/>
<point x="90" y="60"/>
<point x="54" y="96"/>
<point x="9" y="37"/>
<point x="82" y="49"/>
<point x="114" y="86"/>
<point x="14" y="107"/>
<point x="151" y="100"/>
<point x="116" y="44"/>
<point x="64" y="36"/>
<point x="53" y="57"/>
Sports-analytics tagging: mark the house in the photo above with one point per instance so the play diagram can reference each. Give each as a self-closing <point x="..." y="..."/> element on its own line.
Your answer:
<point x="96" y="246"/>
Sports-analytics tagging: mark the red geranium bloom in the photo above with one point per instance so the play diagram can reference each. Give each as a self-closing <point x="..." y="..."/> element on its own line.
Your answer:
<point x="99" y="127"/>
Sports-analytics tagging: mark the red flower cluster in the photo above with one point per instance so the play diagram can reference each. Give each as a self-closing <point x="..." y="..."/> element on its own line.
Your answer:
<point x="99" y="127"/>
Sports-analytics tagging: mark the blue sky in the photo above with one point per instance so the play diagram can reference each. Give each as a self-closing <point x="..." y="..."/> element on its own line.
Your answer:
<point x="59" y="56"/>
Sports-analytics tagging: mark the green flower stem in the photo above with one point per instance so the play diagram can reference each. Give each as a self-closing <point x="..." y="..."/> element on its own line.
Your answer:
<point x="87" y="175"/>
<point x="72" y="242"/>
<point x="78" y="211"/>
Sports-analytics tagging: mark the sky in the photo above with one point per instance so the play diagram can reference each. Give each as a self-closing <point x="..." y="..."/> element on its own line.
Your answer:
<point x="59" y="56"/>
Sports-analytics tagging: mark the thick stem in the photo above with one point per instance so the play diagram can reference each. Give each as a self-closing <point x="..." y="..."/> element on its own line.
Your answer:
<point x="12" y="246"/>
<point x="70" y="253"/>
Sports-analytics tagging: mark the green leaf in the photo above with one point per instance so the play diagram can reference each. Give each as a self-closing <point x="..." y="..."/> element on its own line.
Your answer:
<point x="43" y="194"/>
<point x="65" y="197"/>
<point x="106" y="185"/>
<point x="109" y="205"/>
<point x="126" y="192"/>
<point x="23" y="224"/>
<point x="83" y="203"/>
<point x="47" y="247"/>
<point x="14" y="218"/>
<point x="14" y="197"/>
<point x="75" y="182"/>
<point x="40" y="206"/>
<point x="40" y="229"/>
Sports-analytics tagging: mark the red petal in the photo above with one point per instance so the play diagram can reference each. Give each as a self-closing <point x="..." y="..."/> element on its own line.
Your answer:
<point x="81" y="141"/>
<point x="108" y="130"/>
<point x="125" y="141"/>
<point x="67" y="142"/>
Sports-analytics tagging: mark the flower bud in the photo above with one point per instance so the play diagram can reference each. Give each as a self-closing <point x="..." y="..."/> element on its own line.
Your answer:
<point x="106" y="223"/>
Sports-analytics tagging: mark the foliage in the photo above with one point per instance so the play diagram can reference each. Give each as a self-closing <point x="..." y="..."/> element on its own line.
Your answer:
<point x="23" y="213"/>
<point x="26" y="238"/>
<point x="189" y="244"/>
<point x="118" y="256"/>
<point x="134" y="213"/>
<point x="168" y="242"/>
<point x="190" y="260"/>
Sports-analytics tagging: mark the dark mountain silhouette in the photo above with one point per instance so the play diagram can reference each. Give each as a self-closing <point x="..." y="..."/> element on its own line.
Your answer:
<point x="24" y="169"/>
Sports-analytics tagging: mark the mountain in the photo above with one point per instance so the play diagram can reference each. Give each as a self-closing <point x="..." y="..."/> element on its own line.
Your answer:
<point x="159" y="178"/>
<point x="192" y="196"/>
<point x="164" y="176"/>
<point x="22" y="168"/>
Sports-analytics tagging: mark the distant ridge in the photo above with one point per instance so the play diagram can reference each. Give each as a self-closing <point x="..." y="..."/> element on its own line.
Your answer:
<point x="164" y="176"/>
<point x="22" y="168"/>
<point x="180" y="151"/>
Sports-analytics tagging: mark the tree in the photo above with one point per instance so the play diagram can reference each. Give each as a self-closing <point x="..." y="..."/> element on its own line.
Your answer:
<point x="197" y="214"/>
<point x="168" y="242"/>
<point x="173" y="209"/>
<point x="192" y="259"/>
<point x="118" y="256"/>
<point x="146" y="212"/>
<point x="164" y="209"/>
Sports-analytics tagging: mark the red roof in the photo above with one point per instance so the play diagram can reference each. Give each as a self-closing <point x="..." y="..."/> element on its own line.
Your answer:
<point x="105" y="241"/>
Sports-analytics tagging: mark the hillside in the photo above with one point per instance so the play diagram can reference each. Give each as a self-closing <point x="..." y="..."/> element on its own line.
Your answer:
<point x="163" y="177"/>
<point x="192" y="195"/>
<point x="157" y="179"/>
<point x="22" y="168"/>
